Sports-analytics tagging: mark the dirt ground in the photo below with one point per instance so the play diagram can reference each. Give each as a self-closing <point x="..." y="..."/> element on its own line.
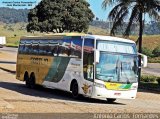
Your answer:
<point x="16" y="98"/>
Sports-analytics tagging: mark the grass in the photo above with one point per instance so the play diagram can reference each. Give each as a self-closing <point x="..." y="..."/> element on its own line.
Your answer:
<point x="13" y="32"/>
<point x="149" y="41"/>
<point x="12" y="45"/>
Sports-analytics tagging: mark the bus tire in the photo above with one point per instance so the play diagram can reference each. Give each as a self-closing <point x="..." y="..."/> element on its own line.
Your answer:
<point x="74" y="89"/>
<point x="32" y="81"/>
<point x="111" y="100"/>
<point x="26" y="79"/>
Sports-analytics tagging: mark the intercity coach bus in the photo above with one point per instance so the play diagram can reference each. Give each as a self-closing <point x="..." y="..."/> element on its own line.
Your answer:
<point x="90" y="65"/>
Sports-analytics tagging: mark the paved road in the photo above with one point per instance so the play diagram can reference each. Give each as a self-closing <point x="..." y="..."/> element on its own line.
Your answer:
<point x="8" y="55"/>
<point x="9" y="49"/>
<point x="152" y="68"/>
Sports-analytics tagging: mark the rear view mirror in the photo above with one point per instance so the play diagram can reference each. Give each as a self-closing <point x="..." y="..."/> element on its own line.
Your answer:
<point x="97" y="56"/>
<point x="144" y="60"/>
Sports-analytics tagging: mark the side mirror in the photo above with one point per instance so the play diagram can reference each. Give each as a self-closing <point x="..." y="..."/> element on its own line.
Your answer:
<point x="144" y="60"/>
<point x="97" y="56"/>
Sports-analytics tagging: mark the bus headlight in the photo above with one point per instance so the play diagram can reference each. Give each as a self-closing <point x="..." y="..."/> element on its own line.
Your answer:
<point x="134" y="87"/>
<point x="99" y="85"/>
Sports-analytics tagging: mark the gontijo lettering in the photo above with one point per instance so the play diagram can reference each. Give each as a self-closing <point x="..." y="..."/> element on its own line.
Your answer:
<point x="40" y="61"/>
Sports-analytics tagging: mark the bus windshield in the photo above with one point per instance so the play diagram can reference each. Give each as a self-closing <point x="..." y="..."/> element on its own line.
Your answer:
<point x="117" y="68"/>
<point x="117" y="65"/>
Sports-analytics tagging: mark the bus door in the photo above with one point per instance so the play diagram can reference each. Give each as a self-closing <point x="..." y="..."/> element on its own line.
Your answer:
<point x="88" y="67"/>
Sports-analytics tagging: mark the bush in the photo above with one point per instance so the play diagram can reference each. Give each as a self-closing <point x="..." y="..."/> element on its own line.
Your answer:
<point x="156" y="51"/>
<point x="158" y="80"/>
<point x="147" y="51"/>
<point x="148" y="78"/>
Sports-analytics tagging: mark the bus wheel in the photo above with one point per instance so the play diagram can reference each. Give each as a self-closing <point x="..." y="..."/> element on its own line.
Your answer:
<point x="26" y="79"/>
<point x="75" y="89"/>
<point x="32" y="81"/>
<point x="111" y="100"/>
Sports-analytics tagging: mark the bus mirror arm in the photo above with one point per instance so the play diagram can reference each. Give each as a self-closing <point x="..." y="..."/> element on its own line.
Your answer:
<point x="144" y="60"/>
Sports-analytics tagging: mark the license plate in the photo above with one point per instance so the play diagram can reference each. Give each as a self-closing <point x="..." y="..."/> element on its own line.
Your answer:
<point x="117" y="94"/>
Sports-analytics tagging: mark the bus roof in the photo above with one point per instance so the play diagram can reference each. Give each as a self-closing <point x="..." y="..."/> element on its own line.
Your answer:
<point x="54" y="36"/>
<point x="110" y="38"/>
<point x="66" y="34"/>
<point x="62" y="35"/>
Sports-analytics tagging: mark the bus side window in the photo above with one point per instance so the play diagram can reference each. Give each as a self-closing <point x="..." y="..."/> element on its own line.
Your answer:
<point x="54" y="50"/>
<point x="21" y="48"/>
<point x="63" y="51"/>
<point x="30" y="49"/>
<point x="47" y="49"/>
<point x="42" y="49"/>
<point x="26" y="49"/>
<point x="35" y="48"/>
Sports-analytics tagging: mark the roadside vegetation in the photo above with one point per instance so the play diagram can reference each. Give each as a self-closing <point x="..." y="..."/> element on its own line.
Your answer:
<point x="153" y="55"/>
<point x="150" y="82"/>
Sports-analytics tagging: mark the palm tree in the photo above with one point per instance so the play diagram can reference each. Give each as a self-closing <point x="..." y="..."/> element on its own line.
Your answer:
<point x="134" y="10"/>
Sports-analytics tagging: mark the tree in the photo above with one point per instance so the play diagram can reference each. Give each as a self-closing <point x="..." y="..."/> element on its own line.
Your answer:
<point x="134" y="10"/>
<point x="60" y="15"/>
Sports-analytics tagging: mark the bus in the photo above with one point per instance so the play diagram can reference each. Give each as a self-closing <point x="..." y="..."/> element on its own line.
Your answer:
<point x="101" y="67"/>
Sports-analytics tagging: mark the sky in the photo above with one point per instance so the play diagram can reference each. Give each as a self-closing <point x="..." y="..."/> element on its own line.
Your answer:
<point x="95" y="5"/>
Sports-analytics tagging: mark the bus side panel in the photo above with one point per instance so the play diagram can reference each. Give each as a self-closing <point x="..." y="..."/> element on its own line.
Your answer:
<point x="56" y="71"/>
<point x="18" y="68"/>
<point x="20" y="71"/>
<point x="62" y="73"/>
<point x="43" y="67"/>
<point x="24" y="65"/>
<point x="75" y="71"/>
<point x="39" y="65"/>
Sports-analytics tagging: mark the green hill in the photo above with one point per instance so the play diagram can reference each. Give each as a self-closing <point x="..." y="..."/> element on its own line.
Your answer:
<point x="11" y="15"/>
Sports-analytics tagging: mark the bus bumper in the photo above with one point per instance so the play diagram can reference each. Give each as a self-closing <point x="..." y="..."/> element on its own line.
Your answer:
<point x="99" y="92"/>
